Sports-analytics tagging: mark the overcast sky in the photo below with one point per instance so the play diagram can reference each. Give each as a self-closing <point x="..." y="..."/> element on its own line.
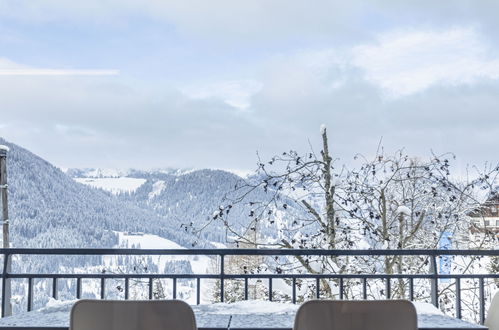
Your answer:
<point x="152" y="84"/>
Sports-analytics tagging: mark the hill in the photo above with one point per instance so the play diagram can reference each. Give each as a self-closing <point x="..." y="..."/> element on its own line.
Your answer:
<point x="49" y="209"/>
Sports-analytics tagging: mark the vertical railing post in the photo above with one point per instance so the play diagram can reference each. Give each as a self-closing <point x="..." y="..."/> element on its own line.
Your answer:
<point x="55" y="288"/>
<point x="270" y="289"/>
<point x="294" y="291"/>
<point x="102" y="288"/>
<point x="364" y="288"/>
<point x="411" y="289"/>
<point x="6" y="304"/>
<point x="341" y="288"/>
<point x="30" y="294"/>
<point x="198" y="291"/>
<point x="458" y="298"/>
<point x="245" y="288"/>
<point x="6" y="284"/>
<point x="434" y="279"/>
<point x="150" y="288"/>
<point x="127" y="288"/>
<point x="388" y="288"/>
<point x="222" y="276"/>
<point x="317" y="288"/>
<point x="78" y="288"/>
<point x="174" y="280"/>
<point x="482" y="299"/>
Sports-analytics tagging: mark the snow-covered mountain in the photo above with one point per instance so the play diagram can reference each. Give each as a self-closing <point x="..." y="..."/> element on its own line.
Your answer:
<point x="49" y="209"/>
<point x="182" y="196"/>
<point x="186" y="196"/>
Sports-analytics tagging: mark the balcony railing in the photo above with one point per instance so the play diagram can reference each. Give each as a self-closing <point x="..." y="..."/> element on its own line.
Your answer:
<point x="430" y="273"/>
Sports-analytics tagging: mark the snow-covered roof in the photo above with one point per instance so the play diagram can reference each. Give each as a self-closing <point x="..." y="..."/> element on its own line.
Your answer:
<point x="4" y="148"/>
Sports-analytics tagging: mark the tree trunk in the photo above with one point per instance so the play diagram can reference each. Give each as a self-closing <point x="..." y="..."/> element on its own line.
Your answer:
<point x="329" y="193"/>
<point x="401" y="285"/>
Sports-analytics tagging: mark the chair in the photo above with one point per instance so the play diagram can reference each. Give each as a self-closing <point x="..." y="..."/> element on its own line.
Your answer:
<point x="492" y="320"/>
<point x="132" y="315"/>
<point x="356" y="315"/>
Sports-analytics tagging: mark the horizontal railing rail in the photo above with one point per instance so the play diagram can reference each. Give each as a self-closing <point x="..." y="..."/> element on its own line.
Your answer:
<point x="255" y="252"/>
<point x="221" y="275"/>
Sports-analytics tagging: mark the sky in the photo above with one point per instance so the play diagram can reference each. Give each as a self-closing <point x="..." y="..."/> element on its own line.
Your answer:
<point x="208" y="84"/>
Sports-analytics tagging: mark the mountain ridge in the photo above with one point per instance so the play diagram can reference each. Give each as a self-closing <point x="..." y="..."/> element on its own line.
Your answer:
<point x="49" y="209"/>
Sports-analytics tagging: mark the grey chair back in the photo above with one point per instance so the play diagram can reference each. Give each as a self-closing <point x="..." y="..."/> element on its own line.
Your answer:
<point x="132" y="315"/>
<point x="492" y="320"/>
<point x="356" y="315"/>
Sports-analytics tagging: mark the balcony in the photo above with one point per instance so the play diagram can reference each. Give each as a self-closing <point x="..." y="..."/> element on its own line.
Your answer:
<point x="453" y="280"/>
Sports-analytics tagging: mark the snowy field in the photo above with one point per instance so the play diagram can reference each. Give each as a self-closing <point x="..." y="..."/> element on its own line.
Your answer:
<point x="243" y="314"/>
<point x="113" y="185"/>
<point x="199" y="264"/>
<point x="156" y="264"/>
<point x="111" y="264"/>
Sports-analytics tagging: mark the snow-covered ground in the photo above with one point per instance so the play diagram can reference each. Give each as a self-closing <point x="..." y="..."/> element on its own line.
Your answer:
<point x="247" y="314"/>
<point x="186" y="289"/>
<point x="113" y="185"/>
<point x="157" y="188"/>
<point x="199" y="264"/>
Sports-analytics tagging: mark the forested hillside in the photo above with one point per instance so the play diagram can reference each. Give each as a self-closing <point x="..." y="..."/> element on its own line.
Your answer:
<point x="190" y="198"/>
<point x="49" y="209"/>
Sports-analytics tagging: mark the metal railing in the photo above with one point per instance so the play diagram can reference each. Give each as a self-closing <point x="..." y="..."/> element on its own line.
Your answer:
<point x="430" y="255"/>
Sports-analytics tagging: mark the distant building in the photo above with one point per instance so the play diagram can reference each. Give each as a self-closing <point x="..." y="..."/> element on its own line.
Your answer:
<point x="486" y="218"/>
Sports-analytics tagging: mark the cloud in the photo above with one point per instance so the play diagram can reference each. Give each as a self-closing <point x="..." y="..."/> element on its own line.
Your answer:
<point x="397" y="64"/>
<point x="408" y="62"/>
<point x="101" y="121"/>
<point x="70" y="131"/>
<point x="56" y="72"/>
<point x="262" y="21"/>
<point x="236" y="93"/>
<point x="218" y="19"/>
<point x="314" y="64"/>
<point x="11" y="68"/>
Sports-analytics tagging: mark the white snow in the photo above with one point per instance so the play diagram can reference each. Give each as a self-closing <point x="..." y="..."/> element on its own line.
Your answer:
<point x="239" y="172"/>
<point x="146" y="241"/>
<point x="54" y="305"/>
<point x="254" y="313"/>
<point x="199" y="264"/>
<point x="404" y="210"/>
<point x="113" y="185"/>
<point x="183" y="171"/>
<point x="219" y="245"/>
<point x="4" y="147"/>
<point x="323" y="129"/>
<point x="252" y="307"/>
<point x="186" y="290"/>
<point x="426" y="308"/>
<point x="157" y="188"/>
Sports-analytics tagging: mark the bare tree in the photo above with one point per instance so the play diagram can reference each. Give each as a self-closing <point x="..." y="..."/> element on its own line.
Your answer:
<point x="409" y="203"/>
<point x="391" y="202"/>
